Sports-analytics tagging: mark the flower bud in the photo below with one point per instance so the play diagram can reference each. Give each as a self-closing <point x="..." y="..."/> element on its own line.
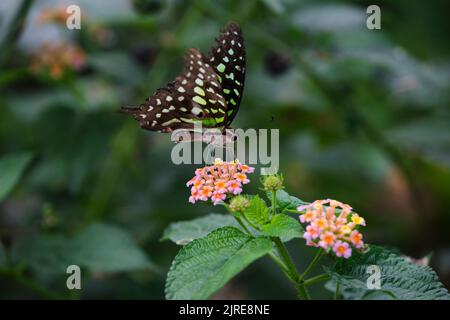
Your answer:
<point x="273" y="183"/>
<point x="239" y="204"/>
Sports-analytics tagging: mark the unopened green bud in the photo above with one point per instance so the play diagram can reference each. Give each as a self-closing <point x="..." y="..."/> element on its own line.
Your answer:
<point x="239" y="204"/>
<point x="273" y="183"/>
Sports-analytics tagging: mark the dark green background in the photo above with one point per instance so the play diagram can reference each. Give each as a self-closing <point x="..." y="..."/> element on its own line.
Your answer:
<point x="363" y="118"/>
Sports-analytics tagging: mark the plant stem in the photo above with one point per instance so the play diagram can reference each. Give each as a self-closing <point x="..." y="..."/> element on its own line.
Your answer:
<point x="312" y="264"/>
<point x="284" y="254"/>
<point x="274" y="202"/>
<point x="242" y="224"/>
<point x="315" y="279"/>
<point x="14" y="30"/>
<point x="336" y="293"/>
<point x="302" y="292"/>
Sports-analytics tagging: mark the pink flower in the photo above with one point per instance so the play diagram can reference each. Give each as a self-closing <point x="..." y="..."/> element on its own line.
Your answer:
<point x="217" y="181"/>
<point x="221" y="186"/>
<point x="313" y="232"/>
<point x="308" y="216"/>
<point x="241" y="177"/>
<point x="342" y="249"/>
<point x="205" y="192"/>
<point x="246" y="169"/>
<point x="332" y="224"/>
<point x="234" y="187"/>
<point x="356" y="239"/>
<point x="218" y="197"/>
<point x="327" y="240"/>
<point x="320" y="223"/>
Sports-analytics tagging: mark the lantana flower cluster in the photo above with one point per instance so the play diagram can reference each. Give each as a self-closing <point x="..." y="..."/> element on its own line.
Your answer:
<point x="331" y="229"/>
<point x="57" y="58"/>
<point x="218" y="181"/>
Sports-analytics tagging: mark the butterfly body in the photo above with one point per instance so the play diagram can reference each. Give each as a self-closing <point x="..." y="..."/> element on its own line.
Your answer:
<point x="208" y="91"/>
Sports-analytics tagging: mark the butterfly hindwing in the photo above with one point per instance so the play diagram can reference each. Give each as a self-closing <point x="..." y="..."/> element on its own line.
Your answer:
<point x="228" y="59"/>
<point x="194" y="96"/>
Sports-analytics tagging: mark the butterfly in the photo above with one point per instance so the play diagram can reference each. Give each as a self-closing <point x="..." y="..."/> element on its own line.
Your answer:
<point x="208" y="91"/>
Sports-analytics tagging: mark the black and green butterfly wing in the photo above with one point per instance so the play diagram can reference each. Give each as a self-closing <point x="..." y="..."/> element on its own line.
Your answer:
<point x="208" y="91"/>
<point x="228" y="58"/>
<point x="194" y="96"/>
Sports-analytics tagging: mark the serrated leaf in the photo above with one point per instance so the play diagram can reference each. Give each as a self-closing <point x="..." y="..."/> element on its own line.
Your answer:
<point x="399" y="278"/>
<point x="99" y="247"/>
<point x="258" y="212"/>
<point x="205" y="265"/>
<point x="11" y="168"/>
<point x="283" y="226"/>
<point x="183" y="232"/>
<point x="286" y="201"/>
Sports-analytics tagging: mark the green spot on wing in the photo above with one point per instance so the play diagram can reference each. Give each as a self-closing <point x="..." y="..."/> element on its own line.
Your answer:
<point x="209" y="122"/>
<point x="199" y="91"/>
<point x="221" y="67"/>
<point x="199" y="100"/>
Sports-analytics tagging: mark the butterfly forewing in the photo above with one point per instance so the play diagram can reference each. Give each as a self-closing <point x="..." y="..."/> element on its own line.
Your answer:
<point x="194" y="96"/>
<point x="228" y="59"/>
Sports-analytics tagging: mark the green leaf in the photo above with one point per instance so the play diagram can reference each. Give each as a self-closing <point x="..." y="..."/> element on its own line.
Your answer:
<point x="11" y="168"/>
<point x="99" y="247"/>
<point x="107" y="248"/>
<point x="287" y="202"/>
<point x="183" y="232"/>
<point x="283" y="226"/>
<point x="205" y="265"/>
<point x="258" y="212"/>
<point x="399" y="279"/>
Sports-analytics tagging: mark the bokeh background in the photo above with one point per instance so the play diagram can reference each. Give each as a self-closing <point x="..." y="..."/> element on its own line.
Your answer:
<point x="363" y="118"/>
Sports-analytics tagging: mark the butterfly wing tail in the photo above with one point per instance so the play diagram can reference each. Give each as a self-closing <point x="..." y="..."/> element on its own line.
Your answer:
<point x="130" y="110"/>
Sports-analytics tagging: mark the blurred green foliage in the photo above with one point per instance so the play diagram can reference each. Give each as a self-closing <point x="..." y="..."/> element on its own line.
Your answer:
<point x="363" y="118"/>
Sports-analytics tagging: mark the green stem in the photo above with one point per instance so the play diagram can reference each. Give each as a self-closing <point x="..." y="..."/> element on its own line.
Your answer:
<point x="312" y="264"/>
<point x="274" y="202"/>
<point x="14" y="30"/>
<point x="242" y="224"/>
<point x="312" y="280"/>
<point x="302" y="292"/>
<point x="284" y="255"/>
<point x="336" y="293"/>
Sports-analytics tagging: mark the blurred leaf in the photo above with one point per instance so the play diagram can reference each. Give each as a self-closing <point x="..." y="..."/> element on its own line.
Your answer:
<point x="100" y="248"/>
<point x="257" y="212"/>
<point x="284" y="226"/>
<point x="11" y="168"/>
<point x="427" y="135"/>
<point x="107" y="248"/>
<point x="119" y="66"/>
<point x="399" y="278"/>
<point x="205" y="265"/>
<point x="2" y="254"/>
<point x="183" y="232"/>
<point x="287" y="202"/>
<point x="330" y="17"/>
<point x="275" y="5"/>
